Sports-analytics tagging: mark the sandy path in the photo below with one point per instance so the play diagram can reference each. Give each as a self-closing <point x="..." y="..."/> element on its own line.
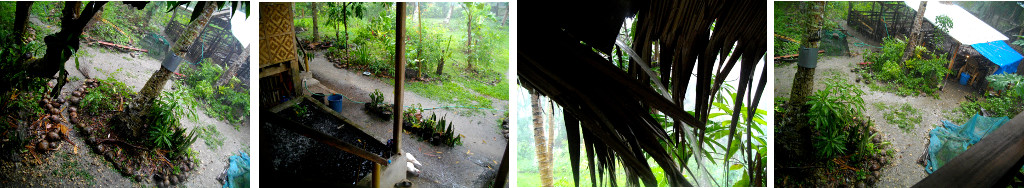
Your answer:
<point x="909" y="146"/>
<point x="471" y="165"/>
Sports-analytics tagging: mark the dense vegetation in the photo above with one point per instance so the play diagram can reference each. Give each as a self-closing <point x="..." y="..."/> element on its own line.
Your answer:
<point x="921" y="74"/>
<point x="1007" y="101"/>
<point x="436" y="37"/>
<point x="229" y="102"/>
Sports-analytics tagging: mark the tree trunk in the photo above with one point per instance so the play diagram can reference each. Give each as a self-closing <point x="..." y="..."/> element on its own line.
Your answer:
<point x="232" y="71"/>
<point x="156" y="82"/>
<point x="469" y="37"/>
<point x="793" y="141"/>
<point x="803" y="82"/>
<point x="21" y="21"/>
<point x="449" y="16"/>
<point x="504" y="18"/>
<point x="316" y="25"/>
<point x="419" y="19"/>
<point x="61" y="45"/>
<point x="915" y="33"/>
<point x="174" y="14"/>
<point x="540" y="144"/>
<point x="344" y="20"/>
<point x="551" y="132"/>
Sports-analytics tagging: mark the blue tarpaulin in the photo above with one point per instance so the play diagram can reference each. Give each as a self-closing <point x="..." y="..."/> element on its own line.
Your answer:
<point x="1001" y="54"/>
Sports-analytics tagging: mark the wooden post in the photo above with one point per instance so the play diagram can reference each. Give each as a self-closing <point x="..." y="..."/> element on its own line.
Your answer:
<point x="399" y="75"/>
<point x="375" y="180"/>
<point x="956" y="51"/>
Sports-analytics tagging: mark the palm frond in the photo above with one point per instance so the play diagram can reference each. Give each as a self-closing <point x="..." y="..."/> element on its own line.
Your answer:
<point x="611" y="108"/>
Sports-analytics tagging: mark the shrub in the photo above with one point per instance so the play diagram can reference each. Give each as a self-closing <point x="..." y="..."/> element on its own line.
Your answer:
<point x="229" y="102"/>
<point x="165" y="131"/>
<point x="833" y="113"/>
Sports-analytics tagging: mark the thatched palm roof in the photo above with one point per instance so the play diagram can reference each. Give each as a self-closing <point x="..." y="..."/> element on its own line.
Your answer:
<point x="560" y="57"/>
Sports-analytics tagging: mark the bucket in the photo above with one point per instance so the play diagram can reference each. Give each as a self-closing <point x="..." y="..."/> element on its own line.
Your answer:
<point x="335" y="102"/>
<point x="319" y="97"/>
<point x="964" y="77"/>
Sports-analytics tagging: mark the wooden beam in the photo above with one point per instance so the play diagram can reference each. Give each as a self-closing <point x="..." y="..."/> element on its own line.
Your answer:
<point x="984" y="163"/>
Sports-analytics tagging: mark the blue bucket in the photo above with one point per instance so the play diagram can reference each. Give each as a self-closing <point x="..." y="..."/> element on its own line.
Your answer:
<point x="334" y="101"/>
<point x="964" y="77"/>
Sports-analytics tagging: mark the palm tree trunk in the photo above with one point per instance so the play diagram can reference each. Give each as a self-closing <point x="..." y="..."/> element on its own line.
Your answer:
<point x="230" y="73"/>
<point x="156" y="83"/>
<point x="915" y="33"/>
<point x="544" y="165"/>
<point x="803" y="82"/>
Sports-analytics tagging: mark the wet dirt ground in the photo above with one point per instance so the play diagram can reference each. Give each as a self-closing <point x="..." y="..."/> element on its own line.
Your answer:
<point x="473" y="164"/>
<point x="908" y="146"/>
<point x="67" y="168"/>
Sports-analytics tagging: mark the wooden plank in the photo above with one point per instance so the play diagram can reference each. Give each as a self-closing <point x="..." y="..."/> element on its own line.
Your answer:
<point x="984" y="163"/>
<point x="272" y="71"/>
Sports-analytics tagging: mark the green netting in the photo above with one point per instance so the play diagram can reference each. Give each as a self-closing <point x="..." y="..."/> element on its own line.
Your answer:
<point x="834" y="43"/>
<point x="950" y="140"/>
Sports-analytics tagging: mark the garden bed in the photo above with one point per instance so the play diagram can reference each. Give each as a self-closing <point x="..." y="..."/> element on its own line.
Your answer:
<point x="131" y="159"/>
<point x="296" y="157"/>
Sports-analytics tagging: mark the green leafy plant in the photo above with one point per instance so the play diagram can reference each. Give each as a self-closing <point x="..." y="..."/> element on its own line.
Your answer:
<point x="433" y="130"/>
<point x="833" y="113"/>
<point x="904" y="116"/>
<point x="229" y="102"/>
<point x="165" y="131"/>
<point x="922" y="73"/>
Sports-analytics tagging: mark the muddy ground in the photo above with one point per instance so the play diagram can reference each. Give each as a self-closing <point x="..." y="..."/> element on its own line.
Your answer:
<point x="473" y="164"/>
<point x="67" y="168"/>
<point x="909" y="146"/>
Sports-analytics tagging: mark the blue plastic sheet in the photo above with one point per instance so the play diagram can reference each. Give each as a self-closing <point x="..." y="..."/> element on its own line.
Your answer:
<point x="1001" y="54"/>
<point x="949" y="140"/>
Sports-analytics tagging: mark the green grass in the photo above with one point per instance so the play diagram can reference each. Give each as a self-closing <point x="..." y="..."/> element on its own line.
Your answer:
<point x="211" y="136"/>
<point x="903" y="115"/>
<point x="448" y="92"/>
<point x="69" y="169"/>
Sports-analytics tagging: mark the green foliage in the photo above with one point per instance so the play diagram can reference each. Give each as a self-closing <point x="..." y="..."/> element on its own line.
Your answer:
<point x="904" y="116"/>
<point x="433" y="130"/>
<point x="917" y="75"/>
<point x="229" y="102"/>
<point x="165" y="131"/>
<point x="211" y="136"/>
<point x="1009" y="104"/>
<point x="300" y="110"/>
<point x="944" y="23"/>
<point x="833" y="113"/>
<point x="1001" y="82"/>
<point x="376" y="97"/>
<point x="110" y="95"/>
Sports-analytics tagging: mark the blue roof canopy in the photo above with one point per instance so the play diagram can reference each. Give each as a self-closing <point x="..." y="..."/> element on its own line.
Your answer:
<point x="1001" y="54"/>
